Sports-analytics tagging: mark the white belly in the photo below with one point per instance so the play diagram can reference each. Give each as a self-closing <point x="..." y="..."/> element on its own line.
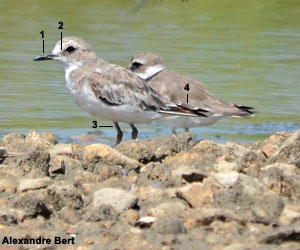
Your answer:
<point x="177" y="121"/>
<point x="86" y="100"/>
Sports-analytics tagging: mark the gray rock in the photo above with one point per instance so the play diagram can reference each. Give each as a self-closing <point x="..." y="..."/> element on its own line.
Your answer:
<point x="3" y="153"/>
<point x="31" y="184"/>
<point x="189" y="173"/>
<point x="119" y="199"/>
<point x="273" y="143"/>
<point x="156" y="149"/>
<point x="32" y="205"/>
<point x="289" y="152"/>
<point x="64" y="167"/>
<point x="226" y="179"/>
<point x="282" y="179"/>
<point x="64" y="195"/>
<point x="7" y="218"/>
<point x="248" y="198"/>
<point x="103" y="212"/>
<point x="208" y="216"/>
<point x="35" y="160"/>
<point x="282" y="234"/>
<point x="168" y="208"/>
<point x="75" y="151"/>
<point x="168" y="225"/>
<point x="14" y="142"/>
<point x="101" y="153"/>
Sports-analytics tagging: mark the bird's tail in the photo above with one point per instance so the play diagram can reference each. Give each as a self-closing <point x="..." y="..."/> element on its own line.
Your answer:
<point x="244" y="111"/>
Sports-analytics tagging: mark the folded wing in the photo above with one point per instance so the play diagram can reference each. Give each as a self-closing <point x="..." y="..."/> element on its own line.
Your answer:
<point x="115" y="85"/>
<point x="171" y="86"/>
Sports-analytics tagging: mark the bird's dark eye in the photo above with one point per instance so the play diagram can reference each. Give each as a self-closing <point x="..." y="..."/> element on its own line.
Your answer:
<point x="70" y="49"/>
<point x="136" y="65"/>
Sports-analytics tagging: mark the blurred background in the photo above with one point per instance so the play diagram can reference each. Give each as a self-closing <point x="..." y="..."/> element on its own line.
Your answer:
<point x="247" y="52"/>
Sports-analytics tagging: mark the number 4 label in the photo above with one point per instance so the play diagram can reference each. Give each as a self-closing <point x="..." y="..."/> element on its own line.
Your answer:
<point x="187" y="87"/>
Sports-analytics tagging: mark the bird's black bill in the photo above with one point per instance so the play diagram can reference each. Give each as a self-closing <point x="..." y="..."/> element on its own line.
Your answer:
<point x="44" y="57"/>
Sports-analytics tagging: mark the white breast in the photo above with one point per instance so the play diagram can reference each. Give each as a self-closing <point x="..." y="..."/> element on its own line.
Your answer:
<point x="71" y="86"/>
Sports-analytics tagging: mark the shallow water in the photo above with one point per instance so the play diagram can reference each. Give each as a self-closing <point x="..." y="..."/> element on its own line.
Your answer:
<point x="245" y="52"/>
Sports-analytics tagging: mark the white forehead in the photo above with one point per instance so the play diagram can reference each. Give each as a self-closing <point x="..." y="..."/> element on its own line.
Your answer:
<point x="62" y="45"/>
<point x="57" y="48"/>
<point x="69" y="41"/>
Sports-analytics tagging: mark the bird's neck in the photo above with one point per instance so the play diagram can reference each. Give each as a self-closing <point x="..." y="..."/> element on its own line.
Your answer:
<point x="151" y="71"/>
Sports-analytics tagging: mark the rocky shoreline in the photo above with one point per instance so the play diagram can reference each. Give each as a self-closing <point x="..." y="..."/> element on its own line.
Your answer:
<point x="166" y="193"/>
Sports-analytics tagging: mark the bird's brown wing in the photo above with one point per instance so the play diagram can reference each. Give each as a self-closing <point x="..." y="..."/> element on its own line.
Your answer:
<point x="171" y="85"/>
<point x="115" y="85"/>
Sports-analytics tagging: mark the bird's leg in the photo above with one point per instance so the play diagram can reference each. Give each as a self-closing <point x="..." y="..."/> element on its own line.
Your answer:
<point x="134" y="132"/>
<point x="119" y="133"/>
<point x="186" y="129"/>
<point x="174" y="131"/>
